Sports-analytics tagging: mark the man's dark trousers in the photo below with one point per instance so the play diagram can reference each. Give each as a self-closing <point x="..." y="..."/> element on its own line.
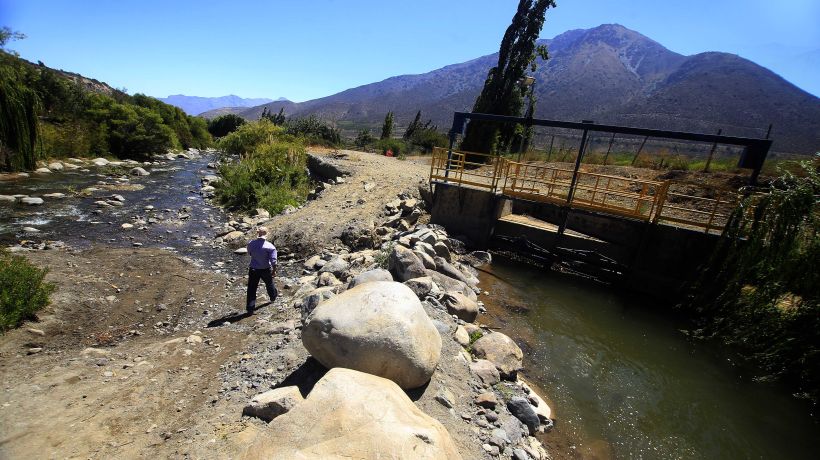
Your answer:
<point x="254" y="275"/>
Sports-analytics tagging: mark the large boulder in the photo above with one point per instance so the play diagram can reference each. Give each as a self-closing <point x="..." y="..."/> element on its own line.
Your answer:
<point x="337" y="266"/>
<point x="350" y="414"/>
<point x="377" y="274"/>
<point x="404" y="264"/>
<point x="379" y="328"/>
<point x="460" y="305"/>
<point x="502" y="351"/>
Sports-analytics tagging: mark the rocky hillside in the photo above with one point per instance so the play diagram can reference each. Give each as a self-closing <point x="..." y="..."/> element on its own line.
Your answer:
<point x="194" y="105"/>
<point x="609" y="74"/>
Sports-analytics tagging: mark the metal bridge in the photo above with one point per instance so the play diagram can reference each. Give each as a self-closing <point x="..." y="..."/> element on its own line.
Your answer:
<point x="658" y="202"/>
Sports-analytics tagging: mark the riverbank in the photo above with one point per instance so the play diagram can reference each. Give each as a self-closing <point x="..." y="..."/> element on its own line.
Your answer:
<point x="126" y="354"/>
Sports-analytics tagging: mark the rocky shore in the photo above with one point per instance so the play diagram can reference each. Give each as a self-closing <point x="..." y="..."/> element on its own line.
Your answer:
<point x="374" y="347"/>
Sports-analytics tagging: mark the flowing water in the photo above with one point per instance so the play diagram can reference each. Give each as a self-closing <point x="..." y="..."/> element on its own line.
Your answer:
<point x="625" y="383"/>
<point x="166" y="209"/>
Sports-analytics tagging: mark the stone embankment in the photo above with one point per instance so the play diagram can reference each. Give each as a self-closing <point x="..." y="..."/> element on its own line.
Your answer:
<point x="397" y="309"/>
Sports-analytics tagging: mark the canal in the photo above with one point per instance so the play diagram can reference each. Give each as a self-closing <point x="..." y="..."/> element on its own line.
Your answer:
<point x="625" y="382"/>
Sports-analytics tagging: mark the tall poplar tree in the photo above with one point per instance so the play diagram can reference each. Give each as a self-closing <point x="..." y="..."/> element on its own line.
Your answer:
<point x="387" y="127"/>
<point x="503" y="93"/>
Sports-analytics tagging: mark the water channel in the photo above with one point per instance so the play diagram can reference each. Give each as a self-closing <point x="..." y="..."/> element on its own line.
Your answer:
<point x="624" y="382"/>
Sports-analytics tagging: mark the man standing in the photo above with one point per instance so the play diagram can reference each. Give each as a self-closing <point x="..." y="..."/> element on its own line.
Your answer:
<point x="262" y="266"/>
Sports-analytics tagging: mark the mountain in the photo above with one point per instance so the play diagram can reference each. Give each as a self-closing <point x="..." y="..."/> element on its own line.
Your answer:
<point x="609" y="74"/>
<point x="194" y="105"/>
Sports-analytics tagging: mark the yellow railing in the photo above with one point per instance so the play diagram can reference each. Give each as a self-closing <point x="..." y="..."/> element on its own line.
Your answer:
<point x="465" y="168"/>
<point x="709" y="214"/>
<point x="647" y="200"/>
<point x="635" y="198"/>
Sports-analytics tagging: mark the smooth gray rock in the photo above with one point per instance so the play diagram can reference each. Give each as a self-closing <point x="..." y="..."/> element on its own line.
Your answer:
<point x="485" y="371"/>
<point x="379" y="328"/>
<point x="404" y="264"/>
<point x="502" y="351"/>
<point x="31" y="201"/>
<point x="337" y="266"/>
<point x="377" y="274"/>
<point x="420" y="286"/>
<point x="522" y="410"/>
<point x="460" y="305"/>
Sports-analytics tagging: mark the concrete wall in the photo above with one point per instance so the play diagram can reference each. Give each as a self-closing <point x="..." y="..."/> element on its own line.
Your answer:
<point x="661" y="258"/>
<point x="468" y="212"/>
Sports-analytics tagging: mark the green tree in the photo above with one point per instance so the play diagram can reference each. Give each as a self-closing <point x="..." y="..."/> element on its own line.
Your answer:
<point x="503" y="93"/>
<point x="18" y="109"/>
<point x="412" y="127"/>
<point x="226" y="124"/>
<point x="363" y="138"/>
<point x="387" y="126"/>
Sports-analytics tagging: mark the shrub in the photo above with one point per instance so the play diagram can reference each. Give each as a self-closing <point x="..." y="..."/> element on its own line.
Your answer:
<point x="314" y="130"/>
<point x="270" y="175"/>
<point x="364" y="138"/>
<point x="22" y="290"/>
<point x="398" y="146"/>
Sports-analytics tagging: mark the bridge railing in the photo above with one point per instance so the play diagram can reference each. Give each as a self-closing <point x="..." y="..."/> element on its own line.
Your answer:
<point x="703" y="213"/>
<point x="647" y="200"/>
<point x="635" y="198"/>
<point x="468" y="168"/>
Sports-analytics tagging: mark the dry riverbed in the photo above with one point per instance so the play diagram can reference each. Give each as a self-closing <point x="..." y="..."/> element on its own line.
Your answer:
<point x="143" y="352"/>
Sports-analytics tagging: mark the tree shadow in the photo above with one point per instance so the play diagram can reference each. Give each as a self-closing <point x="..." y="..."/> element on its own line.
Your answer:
<point x="305" y="376"/>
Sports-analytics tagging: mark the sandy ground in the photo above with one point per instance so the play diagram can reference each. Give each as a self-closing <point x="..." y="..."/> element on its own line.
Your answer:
<point x="122" y="364"/>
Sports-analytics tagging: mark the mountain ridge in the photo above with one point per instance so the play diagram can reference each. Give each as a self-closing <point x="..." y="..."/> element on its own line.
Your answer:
<point x="195" y="105"/>
<point x="609" y="74"/>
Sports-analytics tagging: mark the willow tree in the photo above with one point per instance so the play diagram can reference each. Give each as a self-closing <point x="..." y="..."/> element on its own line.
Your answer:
<point x="760" y="293"/>
<point x="18" y="110"/>
<point x="503" y="92"/>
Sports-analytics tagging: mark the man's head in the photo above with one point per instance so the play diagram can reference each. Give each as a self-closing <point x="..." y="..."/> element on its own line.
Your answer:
<point x="261" y="232"/>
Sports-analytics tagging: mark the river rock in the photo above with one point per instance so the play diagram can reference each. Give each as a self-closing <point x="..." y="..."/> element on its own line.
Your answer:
<point x="350" y="414"/>
<point x="377" y="274"/>
<point x="442" y="251"/>
<point x="100" y="161"/>
<point x="31" y="201"/>
<point x="31" y="230"/>
<point x="139" y="172"/>
<point x="458" y="304"/>
<point x="378" y="327"/>
<point x="55" y="166"/>
<point x="420" y="286"/>
<point x="463" y="338"/>
<point x="273" y="403"/>
<point x="337" y="266"/>
<point x="425" y="258"/>
<point x="404" y="264"/>
<point x="327" y="279"/>
<point x="233" y="236"/>
<point x="43" y="171"/>
<point x="485" y="371"/>
<point x="502" y="351"/>
<point x="127" y="226"/>
<point x="522" y="410"/>
<point x="56" y="195"/>
<point x="7" y="199"/>
<point x="486" y="400"/>
<point x="452" y="285"/>
<point x="447" y="269"/>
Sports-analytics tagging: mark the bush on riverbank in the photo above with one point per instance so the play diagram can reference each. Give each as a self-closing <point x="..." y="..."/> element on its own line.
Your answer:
<point x="22" y="290"/>
<point x="761" y="291"/>
<point x="270" y="173"/>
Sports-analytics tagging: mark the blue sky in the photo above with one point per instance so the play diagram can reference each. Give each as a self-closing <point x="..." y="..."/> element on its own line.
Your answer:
<point x="313" y="48"/>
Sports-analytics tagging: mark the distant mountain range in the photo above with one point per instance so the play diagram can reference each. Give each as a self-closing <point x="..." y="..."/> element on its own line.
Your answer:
<point x="194" y="105"/>
<point x="609" y="74"/>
